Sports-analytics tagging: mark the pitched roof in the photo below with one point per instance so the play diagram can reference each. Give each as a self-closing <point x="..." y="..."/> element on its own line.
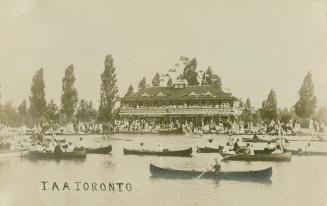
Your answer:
<point x="189" y="92"/>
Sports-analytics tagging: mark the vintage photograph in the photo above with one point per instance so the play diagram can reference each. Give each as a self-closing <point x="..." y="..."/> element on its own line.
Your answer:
<point x="163" y="103"/>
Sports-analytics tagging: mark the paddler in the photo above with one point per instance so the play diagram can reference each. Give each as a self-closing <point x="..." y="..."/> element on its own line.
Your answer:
<point x="255" y="136"/>
<point x="216" y="166"/>
<point x="236" y="145"/>
<point x="210" y="144"/>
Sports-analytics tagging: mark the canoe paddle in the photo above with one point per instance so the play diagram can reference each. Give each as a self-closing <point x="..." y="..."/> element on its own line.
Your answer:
<point x="202" y="174"/>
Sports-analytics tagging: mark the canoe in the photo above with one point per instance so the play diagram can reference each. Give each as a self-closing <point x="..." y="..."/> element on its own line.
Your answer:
<point x="181" y="153"/>
<point x="171" y="131"/>
<point x="250" y="175"/>
<point x="99" y="150"/>
<point x="286" y="156"/>
<point x="246" y="139"/>
<point x="58" y="155"/>
<point x="300" y="152"/>
<point x="12" y="153"/>
<point x="207" y="150"/>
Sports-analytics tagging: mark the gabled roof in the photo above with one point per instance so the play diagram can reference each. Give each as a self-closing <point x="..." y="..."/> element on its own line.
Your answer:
<point x="189" y="92"/>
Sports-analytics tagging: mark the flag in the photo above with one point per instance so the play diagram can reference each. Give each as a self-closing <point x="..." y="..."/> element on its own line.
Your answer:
<point x="172" y="70"/>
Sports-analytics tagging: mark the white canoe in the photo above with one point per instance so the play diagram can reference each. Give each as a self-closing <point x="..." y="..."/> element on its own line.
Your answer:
<point x="12" y="153"/>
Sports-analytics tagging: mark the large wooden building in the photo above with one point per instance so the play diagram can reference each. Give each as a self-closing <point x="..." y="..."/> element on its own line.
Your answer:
<point x="180" y="102"/>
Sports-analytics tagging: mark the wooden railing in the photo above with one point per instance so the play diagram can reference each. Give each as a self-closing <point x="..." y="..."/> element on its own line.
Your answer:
<point x="195" y="111"/>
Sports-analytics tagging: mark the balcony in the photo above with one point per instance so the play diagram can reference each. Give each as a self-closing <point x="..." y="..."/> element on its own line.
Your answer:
<point x="180" y="111"/>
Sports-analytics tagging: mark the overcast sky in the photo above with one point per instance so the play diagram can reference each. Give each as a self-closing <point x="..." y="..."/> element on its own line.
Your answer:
<point x="254" y="45"/>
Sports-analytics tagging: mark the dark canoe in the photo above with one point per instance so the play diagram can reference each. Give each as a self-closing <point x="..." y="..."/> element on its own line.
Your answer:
<point x="181" y="153"/>
<point x="171" y="131"/>
<point x="208" y="150"/>
<point x="58" y="155"/>
<point x="245" y="139"/>
<point x="256" y="175"/>
<point x="100" y="150"/>
<point x="286" y="156"/>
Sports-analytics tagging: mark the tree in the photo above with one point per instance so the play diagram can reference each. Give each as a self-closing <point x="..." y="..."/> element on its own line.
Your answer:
<point x="190" y="73"/>
<point x="37" y="99"/>
<point x="69" y="97"/>
<point x="23" y="113"/>
<point x="321" y="116"/>
<point x="108" y="91"/>
<point x="142" y="84"/>
<point x="156" y="80"/>
<point x="307" y="103"/>
<point x="247" y="115"/>
<point x="269" y="107"/>
<point x="85" y="111"/>
<point x="170" y="82"/>
<point x="285" y="115"/>
<point x="52" y="114"/>
<point x="247" y="104"/>
<point x="209" y="78"/>
<point x="9" y="115"/>
<point x="130" y="90"/>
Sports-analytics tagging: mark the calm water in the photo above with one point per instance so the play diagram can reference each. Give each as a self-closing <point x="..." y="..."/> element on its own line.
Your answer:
<point x="303" y="181"/>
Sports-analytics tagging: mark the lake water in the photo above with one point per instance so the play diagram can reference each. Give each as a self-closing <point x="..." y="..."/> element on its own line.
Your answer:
<point x="303" y="181"/>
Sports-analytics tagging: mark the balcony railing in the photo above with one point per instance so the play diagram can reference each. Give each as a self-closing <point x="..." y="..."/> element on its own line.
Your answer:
<point x="180" y="111"/>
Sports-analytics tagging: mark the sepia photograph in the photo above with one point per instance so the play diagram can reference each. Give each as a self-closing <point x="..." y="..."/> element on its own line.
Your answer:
<point x="163" y="102"/>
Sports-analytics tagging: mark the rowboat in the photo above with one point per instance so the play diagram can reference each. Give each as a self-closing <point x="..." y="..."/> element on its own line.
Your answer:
<point x="58" y="155"/>
<point x="249" y="175"/>
<point x="208" y="150"/>
<point x="181" y="153"/>
<point x="99" y="150"/>
<point x="286" y="156"/>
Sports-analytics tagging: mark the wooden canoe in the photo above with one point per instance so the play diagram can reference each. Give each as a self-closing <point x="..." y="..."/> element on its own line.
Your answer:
<point x="286" y="156"/>
<point x="12" y="153"/>
<point x="99" y="150"/>
<point x="181" y="153"/>
<point x="208" y="150"/>
<point x="249" y="175"/>
<point x="58" y="155"/>
<point x="245" y="139"/>
<point x="171" y="131"/>
<point x="300" y="152"/>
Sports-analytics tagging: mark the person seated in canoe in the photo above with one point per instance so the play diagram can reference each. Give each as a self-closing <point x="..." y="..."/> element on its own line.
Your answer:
<point x="70" y="147"/>
<point x="210" y="144"/>
<point x="255" y="136"/>
<point x="216" y="167"/>
<point x="307" y="147"/>
<point x="230" y="140"/>
<point x="269" y="148"/>
<point x="81" y="145"/>
<point x="236" y="145"/>
<point x="141" y="146"/>
<point x="58" y="148"/>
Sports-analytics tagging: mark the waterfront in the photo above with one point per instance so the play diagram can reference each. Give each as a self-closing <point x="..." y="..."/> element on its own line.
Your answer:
<point x="299" y="182"/>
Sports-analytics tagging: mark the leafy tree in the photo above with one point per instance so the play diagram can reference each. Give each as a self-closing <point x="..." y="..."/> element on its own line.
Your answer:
<point x="286" y="115"/>
<point x="108" y="91"/>
<point x="23" y="113"/>
<point x="142" y="84"/>
<point x="247" y="115"/>
<point x="37" y="99"/>
<point x="69" y="97"/>
<point x="170" y="82"/>
<point x="307" y="103"/>
<point x="130" y="90"/>
<point x="156" y="80"/>
<point x="321" y="116"/>
<point x="209" y="78"/>
<point x="9" y="115"/>
<point x="85" y="111"/>
<point x="269" y="107"/>
<point x="190" y="73"/>
<point x="52" y="114"/>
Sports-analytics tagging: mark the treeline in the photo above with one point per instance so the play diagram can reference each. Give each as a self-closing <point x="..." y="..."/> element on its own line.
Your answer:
<point x="303" y="110"/>
<point x="71" y="109"/>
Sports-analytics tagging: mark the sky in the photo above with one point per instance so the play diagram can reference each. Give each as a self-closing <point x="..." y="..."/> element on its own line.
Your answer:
<point x="254" y="45"/>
